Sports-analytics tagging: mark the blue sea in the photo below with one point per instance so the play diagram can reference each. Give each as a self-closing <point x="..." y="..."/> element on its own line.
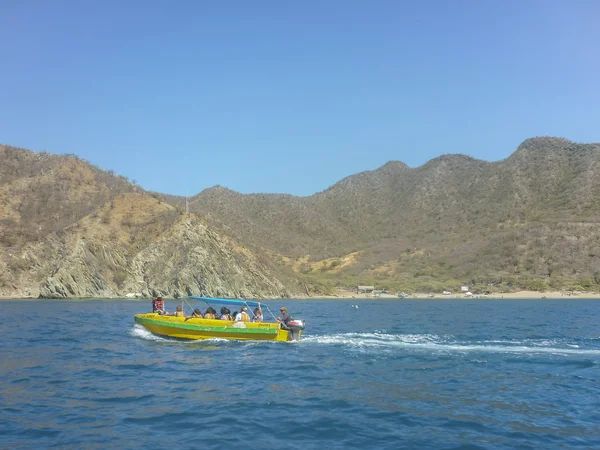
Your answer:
<point x="390" y="374"/>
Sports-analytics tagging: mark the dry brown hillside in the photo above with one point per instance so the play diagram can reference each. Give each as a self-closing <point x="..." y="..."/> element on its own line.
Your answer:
<point x="69" y="229"/>
<point x="41" y="193"/>
<point x="529" y="221"/>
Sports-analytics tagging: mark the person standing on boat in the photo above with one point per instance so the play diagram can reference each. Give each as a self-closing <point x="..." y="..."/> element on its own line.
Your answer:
<point x="284" y="319"/>
<point x="158" y="306"/>
<point x="242" y="316"/>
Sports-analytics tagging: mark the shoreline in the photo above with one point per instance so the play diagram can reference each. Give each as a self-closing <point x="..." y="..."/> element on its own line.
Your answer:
<point x="350" y="295"/>
<point x="534" y="295"/>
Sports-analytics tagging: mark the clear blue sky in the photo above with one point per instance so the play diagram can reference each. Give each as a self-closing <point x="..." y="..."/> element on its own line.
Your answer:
<point x="292" y="96"/>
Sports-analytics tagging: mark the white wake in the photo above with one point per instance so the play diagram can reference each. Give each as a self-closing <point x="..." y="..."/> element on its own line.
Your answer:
<point x="141" y="332"/>
<point x="436" y="343"/>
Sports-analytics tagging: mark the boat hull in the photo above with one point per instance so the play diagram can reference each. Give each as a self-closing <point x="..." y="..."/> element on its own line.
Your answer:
<point x="192" y="328"/>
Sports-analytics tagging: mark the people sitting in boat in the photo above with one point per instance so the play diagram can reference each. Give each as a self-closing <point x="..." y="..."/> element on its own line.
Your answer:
<point x="242" y="316"/>
<point x="284" y="319"/>
<point x="197" y="314"/>
<point x="209" y="313"/>
<point x="179" y="311"/>
<point x="158" y="306"/>
<point x="225" y="314"/>
<point x="258" y="315"/>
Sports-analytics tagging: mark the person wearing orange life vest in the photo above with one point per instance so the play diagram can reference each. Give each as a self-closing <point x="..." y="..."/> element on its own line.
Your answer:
<point x="242" y="316"/>
<point x="158" y="306"/>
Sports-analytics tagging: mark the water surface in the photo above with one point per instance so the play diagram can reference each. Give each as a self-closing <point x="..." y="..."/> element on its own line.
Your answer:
<point x="389" y="374"/>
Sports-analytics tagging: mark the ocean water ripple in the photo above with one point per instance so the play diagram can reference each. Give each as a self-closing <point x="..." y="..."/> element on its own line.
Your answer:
<point x="392" y="374"/>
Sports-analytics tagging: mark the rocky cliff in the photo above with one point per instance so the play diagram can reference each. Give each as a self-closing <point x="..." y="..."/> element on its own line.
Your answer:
<point x="187" y="259"/>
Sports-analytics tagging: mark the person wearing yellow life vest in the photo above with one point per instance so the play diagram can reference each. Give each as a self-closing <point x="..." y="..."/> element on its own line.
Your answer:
<point x="242" y="316"/>
<point x="210" y="313"/>
<point x="179" y="311"/>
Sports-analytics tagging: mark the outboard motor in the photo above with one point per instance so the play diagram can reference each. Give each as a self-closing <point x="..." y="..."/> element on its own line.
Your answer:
<point x="295" y="328"/>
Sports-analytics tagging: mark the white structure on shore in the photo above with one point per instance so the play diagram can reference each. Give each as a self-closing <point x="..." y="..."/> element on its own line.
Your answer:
<point x="365" y="289"/>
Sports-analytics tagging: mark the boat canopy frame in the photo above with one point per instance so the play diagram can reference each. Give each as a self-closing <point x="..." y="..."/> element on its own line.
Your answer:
<point x="230" y="301"/>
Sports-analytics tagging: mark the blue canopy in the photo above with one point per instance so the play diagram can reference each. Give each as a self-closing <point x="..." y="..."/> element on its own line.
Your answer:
<point x="227" y="301"/>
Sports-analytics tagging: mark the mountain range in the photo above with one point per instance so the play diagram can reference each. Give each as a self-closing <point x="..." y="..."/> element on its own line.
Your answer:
<point x="530" y="221"/>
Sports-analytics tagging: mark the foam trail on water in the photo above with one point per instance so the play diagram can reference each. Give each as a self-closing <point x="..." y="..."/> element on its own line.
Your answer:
<point x="141" y="332"/>
<point x="435" y="343"/>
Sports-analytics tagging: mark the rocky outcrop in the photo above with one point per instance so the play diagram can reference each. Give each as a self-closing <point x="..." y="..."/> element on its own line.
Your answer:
<point x="187" y="259"/>
<point x="194" y="260"/>
<point x="87" y="272"/>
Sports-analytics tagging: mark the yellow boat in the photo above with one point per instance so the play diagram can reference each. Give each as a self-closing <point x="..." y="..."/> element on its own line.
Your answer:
<point x="200" y="328"/>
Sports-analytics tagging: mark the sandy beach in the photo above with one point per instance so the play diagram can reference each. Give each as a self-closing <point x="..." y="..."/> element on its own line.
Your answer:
<point x="341" y="294"/>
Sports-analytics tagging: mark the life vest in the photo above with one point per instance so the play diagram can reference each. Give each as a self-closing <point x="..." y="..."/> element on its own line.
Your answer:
<point x="209" y="316"/>
<point x="245" y="317"/>
<point x="179" y="313"/>
<point x="157" y="305"/>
